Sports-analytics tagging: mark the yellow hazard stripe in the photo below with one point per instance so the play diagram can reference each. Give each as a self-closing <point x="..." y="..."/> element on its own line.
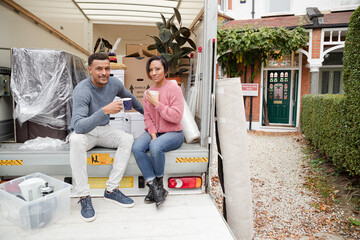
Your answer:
<point x="191" y="159"/>
<point x="11" y="162"/>
<point x="100" y="182"/>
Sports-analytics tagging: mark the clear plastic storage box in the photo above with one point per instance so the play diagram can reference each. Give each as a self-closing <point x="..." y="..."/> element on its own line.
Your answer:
<point x="37" y="213"/>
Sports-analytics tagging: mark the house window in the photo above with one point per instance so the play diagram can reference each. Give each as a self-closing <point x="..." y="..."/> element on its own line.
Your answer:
<point x="345" y="4"/>
<point x="286" y="61"/>
<point x="278" y="6"/>
<point x="334" y="36"/>
<point x="331" y="82"/>
<point x="224" y="5"/>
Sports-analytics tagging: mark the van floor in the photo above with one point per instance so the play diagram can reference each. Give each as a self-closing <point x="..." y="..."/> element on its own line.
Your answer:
<point x="180" y="217"/>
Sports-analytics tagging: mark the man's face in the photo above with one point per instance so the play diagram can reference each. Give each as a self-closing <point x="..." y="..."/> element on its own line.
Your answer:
<point x="100" y="72"/>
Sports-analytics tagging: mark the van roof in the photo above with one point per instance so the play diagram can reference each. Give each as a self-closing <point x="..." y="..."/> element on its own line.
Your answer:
<point x="138" y="12"/>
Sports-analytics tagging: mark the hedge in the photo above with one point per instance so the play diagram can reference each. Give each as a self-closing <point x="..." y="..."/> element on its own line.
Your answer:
<point x="332" y="122"/>
<point x="323" y="123"/>
<point x="351" y="77"/>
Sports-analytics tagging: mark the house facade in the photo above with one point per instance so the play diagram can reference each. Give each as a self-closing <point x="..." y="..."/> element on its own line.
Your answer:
<point x="316" y="69"/>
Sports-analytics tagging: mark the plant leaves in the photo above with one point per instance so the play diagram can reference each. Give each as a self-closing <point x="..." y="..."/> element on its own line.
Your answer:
<point x="186" y="51"/>
<point x="185" y="32"/>
<point x="165" y="35"/>
<point x="160" y="25"/>
<point x="151" y="47"/>
<point x="168" y="23"/>
<point x="192" y="44"/>
<point x="178" y="15"/>
<point x="181" y="41"/>
<point x="163" y="19"/>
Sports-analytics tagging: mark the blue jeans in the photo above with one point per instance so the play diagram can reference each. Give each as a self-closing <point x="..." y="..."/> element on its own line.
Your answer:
<point x="164" y="142"/>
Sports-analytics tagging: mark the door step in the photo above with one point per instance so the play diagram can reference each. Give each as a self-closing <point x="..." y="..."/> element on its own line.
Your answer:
<point x="279" y="128"/>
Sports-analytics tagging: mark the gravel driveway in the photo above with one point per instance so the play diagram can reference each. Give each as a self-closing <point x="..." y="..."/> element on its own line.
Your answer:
<point x="283" y="208"/>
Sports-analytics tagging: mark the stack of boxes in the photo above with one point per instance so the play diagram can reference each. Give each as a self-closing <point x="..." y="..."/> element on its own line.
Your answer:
<point x="131" y="122"/>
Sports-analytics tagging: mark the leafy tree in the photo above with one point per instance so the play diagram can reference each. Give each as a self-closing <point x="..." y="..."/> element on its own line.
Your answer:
<point x="253" y="45"/>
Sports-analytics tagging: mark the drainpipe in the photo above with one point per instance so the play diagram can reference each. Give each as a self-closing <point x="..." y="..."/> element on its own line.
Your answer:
<point x="253" y="9"/>
<point x="251" y="97"/>
<point x="252" y="70"/>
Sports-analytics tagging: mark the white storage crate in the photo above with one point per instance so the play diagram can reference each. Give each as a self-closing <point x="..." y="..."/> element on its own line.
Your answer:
<point x="120" y="121"/>
<point x="39" y="213"/>
<point x="137" y="123"/>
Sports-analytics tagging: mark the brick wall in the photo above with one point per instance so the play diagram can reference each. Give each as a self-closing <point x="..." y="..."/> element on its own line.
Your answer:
<point x="255" y="100"/>
<point x="305" y="80"/>
<point x="316" y="43"/>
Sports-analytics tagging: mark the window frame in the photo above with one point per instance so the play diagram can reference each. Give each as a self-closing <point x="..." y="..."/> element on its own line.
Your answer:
<point x="343" y="7"/>
<point x="225" y="6"/>
<point x="331" y="71"/>
<point x="267" y="13"/>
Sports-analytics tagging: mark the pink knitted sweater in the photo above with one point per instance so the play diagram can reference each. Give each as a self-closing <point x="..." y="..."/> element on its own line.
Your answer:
<point x="167" y="115"/>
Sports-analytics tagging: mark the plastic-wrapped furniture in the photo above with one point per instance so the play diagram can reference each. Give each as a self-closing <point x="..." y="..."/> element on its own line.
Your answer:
<point x="42" y="82"/>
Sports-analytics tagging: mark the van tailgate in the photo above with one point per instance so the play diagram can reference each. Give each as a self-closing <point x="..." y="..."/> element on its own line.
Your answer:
<point x="181" y="217"/>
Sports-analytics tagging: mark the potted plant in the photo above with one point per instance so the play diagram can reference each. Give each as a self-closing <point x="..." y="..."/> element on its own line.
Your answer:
<point x="171" y="43"/>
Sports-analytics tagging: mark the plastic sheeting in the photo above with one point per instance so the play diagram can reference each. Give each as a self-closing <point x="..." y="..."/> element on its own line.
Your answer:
<point x="234" y="148"/>
<point x="190" y="128"/>
<point x="42" y="143"/>
<point x="42" y="82"/>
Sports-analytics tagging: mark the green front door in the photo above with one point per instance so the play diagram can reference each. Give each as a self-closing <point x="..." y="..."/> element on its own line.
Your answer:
<point x="278" y="96"/>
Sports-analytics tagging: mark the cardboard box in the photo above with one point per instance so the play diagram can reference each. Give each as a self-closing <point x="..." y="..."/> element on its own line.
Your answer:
<point x="40" y="212"/>
<point x="140" y="50"/>
<point x="136" y="79"/>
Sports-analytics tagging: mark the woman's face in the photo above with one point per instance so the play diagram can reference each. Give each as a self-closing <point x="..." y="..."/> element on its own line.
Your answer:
<point x="157" y="72"/>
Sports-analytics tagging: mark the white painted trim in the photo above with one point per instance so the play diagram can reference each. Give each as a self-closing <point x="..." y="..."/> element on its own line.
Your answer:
<point x="305" y="53"/>
<point x="299" y="93"/>
<point x="292" y="103"/>
<point x="262" y="84"/>
<point x="322" y="42"/>
<point x="310" y="45"/>
<point x="331" y="66"/>
<point x="281" y="68"/>
<point x="322" y="54"/>
<point x="278" y="129"/>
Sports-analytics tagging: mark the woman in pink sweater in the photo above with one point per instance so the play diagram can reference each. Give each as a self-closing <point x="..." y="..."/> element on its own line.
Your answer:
<point x="163" y="128"/>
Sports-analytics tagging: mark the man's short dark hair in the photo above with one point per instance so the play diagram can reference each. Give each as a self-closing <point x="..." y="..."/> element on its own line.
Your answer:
<point x="157" y="58"/>
<point x="97" y="56"/>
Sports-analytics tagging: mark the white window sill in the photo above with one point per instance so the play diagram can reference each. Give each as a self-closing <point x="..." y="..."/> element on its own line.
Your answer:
<point x="275" y="14"/>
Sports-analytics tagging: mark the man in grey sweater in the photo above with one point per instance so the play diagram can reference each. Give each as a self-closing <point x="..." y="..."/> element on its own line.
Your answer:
<point x="93" y="102"/>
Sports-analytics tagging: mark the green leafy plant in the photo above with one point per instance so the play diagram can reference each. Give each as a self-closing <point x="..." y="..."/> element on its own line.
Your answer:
<point x="103" y="44"/>
<point x="354" y="221"/>
<point x="173" y="42"/>
<point x="351" y="76"/>
<point x="252" y="45"/>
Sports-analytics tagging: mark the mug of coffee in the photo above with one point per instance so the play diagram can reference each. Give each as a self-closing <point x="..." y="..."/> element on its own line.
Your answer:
<point x="154" y="93"/>
<point x="127" y="103"/>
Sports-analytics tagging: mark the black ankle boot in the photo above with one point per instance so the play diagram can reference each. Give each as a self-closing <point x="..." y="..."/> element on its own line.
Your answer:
<point x="158" y="191"/>
<point x="149" y="197"/>
<point x="162" y="193"/>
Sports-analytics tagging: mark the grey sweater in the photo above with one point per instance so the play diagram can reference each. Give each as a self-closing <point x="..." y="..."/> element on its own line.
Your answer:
<point x="88" y="101"/>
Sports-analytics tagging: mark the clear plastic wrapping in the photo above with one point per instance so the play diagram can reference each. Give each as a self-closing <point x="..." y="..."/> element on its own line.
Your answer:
<point x="42" y="82"/>
<point x="42" y="143"/>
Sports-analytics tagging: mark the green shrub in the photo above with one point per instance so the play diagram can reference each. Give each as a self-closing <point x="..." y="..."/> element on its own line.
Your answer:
<point x="351" y="77"/>
<point x="322" y="122"/>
